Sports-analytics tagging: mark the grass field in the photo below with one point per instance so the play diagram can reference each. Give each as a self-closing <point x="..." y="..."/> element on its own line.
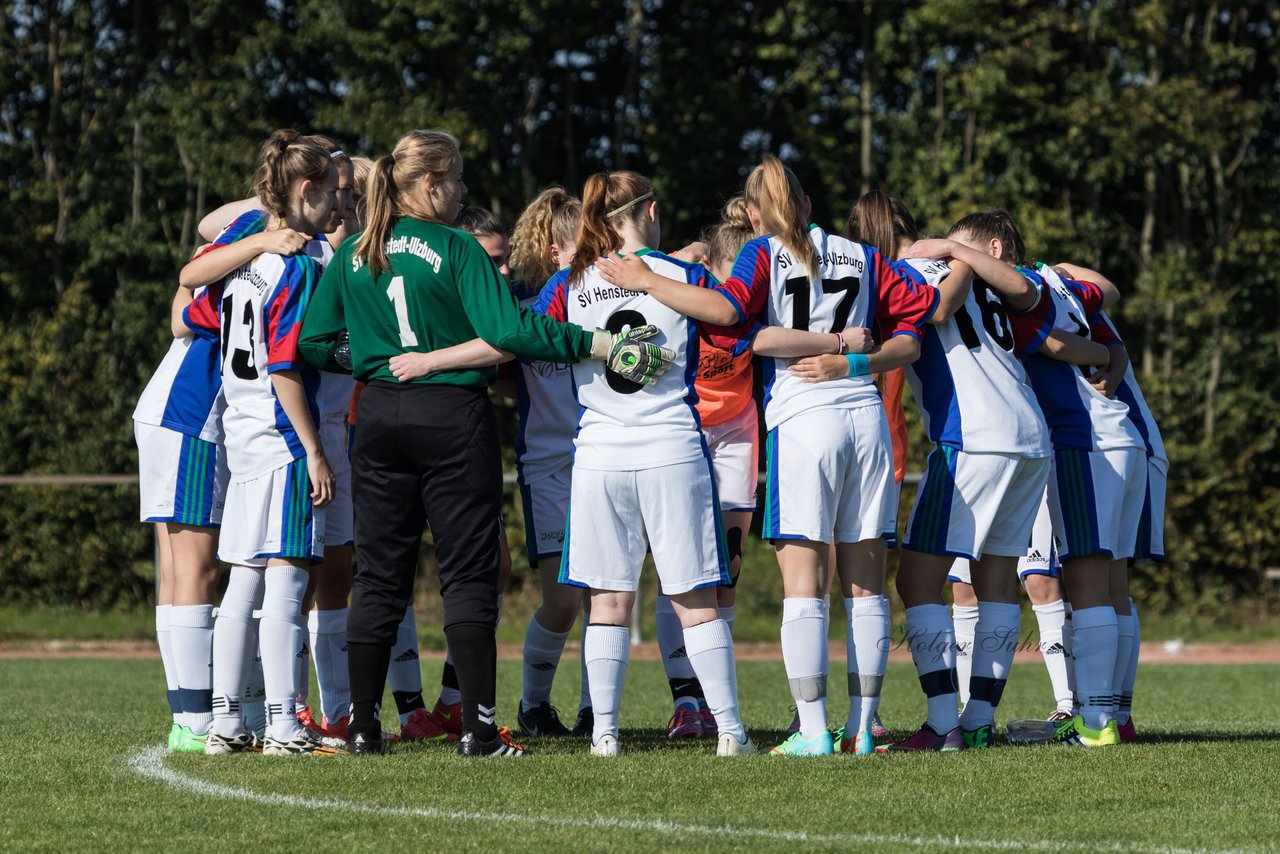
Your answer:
<point x="81" y="768"/>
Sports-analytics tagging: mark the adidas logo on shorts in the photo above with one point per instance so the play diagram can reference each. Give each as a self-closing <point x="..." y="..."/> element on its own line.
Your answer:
<point x="1036" y="556"/>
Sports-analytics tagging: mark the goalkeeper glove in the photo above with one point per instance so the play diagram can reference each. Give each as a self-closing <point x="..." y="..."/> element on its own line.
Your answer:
<point x="342" y="352"/>
<point x="626" y="354"/>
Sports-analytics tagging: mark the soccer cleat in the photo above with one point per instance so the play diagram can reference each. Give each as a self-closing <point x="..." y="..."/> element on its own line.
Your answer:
<point x="448" y="717"/>
<point x="423" y="726"/>
<point x="859" y="745"/>
<point x="220" y="745"/>
<point x="795" y="722"/>
<point x="727" y="745"/>
<point x="710" y="729"/>
<point x="685" y="723"/>
<point x="300" y="745"/>
<point x="585" y="723"/>
<point x="309" y="723"/>
<point x="797" y="745"/>
<point x="926" y="739"/>
<point x="366" y="744"/>
<point x="983" y="736"/>
<point x="188" y="741"/>
<point x="1074" y="733"/>
<point x="502" y="745"/>
<point x="173" y="734"/>
<point x="542" y="719"/>
<point x="877" y="728"/>
<point x="1128" y="734"/>
<point x="606" y="746"/>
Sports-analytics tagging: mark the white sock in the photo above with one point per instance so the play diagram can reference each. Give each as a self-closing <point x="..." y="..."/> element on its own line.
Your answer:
<point x="868" y="656"/>
<point x="404" y="675"/>
<point x="965" y="619"/>
<point x="164" y="639"/>
<point x="542" y="651"/>
<point x="1050" y="619"/>
<point x="281" y="641"/>
<point x="1067" y="626"/>
<point x="710" y="647"/>
<point x="995" y="642"/>
<point x="1124" y="654"/>
<point x="301" y="661"/>
<point x="584" y="696"/>
<point x="932" y="639"/>
<point x="608" y="649"/>
<point x="804" y="653"/>
<point x="191" y="636"/>
<point x="675" y="658"/>
<point x="235" y="639"/>
<point x="726" y="614"/>
<point x="329" y="650"/>
<point x="1131" y="674"/>
<point x="1093" y="645"/>
<point x="254" y="704"/>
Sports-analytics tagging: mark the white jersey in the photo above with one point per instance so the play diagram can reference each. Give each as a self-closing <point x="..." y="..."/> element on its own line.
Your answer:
<point x="970" y="385"/>
<point x="1139" y="412"/>
<point x="1079" y="416"/>
<point x="625" y="426"/>
<point x="855" y="288"/>
<point x="257" y="312"/>
<point x="548" y="409"/>
<point x="185" y="392"/>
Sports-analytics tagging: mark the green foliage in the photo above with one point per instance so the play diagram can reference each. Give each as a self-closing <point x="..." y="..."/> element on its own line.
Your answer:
<point x="1137" y="136"/>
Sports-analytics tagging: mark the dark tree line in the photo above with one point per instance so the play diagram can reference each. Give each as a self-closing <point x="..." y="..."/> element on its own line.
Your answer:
<point x="1140" y="137"/>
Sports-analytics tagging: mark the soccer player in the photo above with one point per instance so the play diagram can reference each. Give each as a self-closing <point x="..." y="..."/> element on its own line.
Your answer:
<point x="280" y="477"/>
<point x="1096" y="498"/>
<point x="427" y="450"/>
<point x="183" y="477"/>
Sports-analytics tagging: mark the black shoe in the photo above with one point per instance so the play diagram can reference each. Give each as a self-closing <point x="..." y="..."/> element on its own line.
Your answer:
<point x="585" y="724"/>
<point x="366" y="744"/>
<point x="542" y="719"/>
<point x="502" y="745"/>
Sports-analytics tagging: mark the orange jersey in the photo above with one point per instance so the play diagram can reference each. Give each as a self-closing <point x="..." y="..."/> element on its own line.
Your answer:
<point x="891" y="392"/>
<point x="723" y="384"/>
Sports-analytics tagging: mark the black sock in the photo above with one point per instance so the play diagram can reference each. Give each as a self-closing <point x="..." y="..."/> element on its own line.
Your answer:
<point x="475" y="654"/>
<point x="682" y="688"/>
<point x="449" y="676"/>
<point x="367" y="666"/>
<point x="408" y="701"/>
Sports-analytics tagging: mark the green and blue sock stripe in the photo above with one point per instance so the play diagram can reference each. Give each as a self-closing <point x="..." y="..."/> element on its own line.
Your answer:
<point x="1074" y="477"/>
<point x="931" y="519"/>
<point x="193" y="492"/>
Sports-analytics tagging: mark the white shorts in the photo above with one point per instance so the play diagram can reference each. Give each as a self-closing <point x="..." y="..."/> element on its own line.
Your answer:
<point x="1042" y="557"/>
<point x="1150" y="546"/>
<point x="272" y="516"/>
<point x="546" y="506"/>
<point x="968" y="505"/>
<point x="1096" y="498"/>
<point x="831" y="473"/>
<point x="616" y="516"/>
<point x="735" y="455"/>
<point x="339" y="514"/>
<point x="182" y="479"/>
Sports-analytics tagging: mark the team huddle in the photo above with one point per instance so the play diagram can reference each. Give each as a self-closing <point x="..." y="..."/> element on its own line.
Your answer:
<point x="326" y="397"/>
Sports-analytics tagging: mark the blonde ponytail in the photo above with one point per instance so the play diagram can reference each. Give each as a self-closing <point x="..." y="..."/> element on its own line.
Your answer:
<point x="726" y="238"/>
<point x="553" y="216"/>
<point x="775" y="192"/>
<point x="608" y="198"/>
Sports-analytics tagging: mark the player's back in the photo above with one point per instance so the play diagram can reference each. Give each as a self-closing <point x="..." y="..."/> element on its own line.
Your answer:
<point x="625" y="425"/>
<point x="970" y="385"/>
<point x="1139" y="412"/>
<point x="185" y="392"/>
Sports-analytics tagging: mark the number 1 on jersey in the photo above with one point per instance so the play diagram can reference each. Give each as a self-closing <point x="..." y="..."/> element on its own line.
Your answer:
<point x="395" y="292"/>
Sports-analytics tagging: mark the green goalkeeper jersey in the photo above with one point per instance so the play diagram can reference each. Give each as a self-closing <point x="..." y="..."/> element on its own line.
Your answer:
<point x="442" y="289"/>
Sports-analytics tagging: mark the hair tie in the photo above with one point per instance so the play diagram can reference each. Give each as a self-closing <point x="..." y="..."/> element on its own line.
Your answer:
<point x="637" y="200"/>
<point x="337" y="154"/>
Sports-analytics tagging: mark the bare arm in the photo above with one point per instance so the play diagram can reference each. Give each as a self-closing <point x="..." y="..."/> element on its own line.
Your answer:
<point x="1108" y="379"/>
<point x="1069" y="347"/>
<point x="629" y="272"/>
<point x="216" y="221"/>
<point x="222" y="261"/>
<point x="952" y="291"/>
<point x="784" y="343"/>
<point x="181" y="299"/>
<point x="460" y="357"/>
<point x="1013" y="287"/>
<point x="898" y="351"/>
<point x="293" y="399"/>
<point x="1110" y="293"/>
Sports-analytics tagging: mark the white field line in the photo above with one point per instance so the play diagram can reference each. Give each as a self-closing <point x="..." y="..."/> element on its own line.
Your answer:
<point x="149" y="763"/>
